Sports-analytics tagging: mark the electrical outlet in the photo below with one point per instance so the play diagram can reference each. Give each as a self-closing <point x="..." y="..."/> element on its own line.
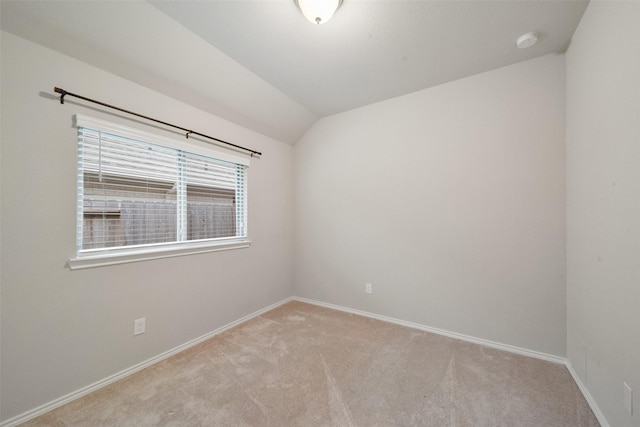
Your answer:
<point x="628" y="398"/>
<point x="139" y="326"/>
<point x="368" y="288"/>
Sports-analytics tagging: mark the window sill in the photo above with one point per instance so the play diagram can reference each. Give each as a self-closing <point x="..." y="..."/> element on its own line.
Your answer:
<point x="146" y="254"/>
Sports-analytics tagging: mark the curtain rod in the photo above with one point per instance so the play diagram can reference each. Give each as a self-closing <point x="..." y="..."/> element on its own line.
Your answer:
<point x="64" y="93"/>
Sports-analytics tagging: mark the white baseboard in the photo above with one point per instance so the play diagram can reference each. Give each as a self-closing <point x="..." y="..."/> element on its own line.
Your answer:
<point x="513" y="349"/>
<point x="585" y="392"/>
<point x="462" y="337"/>
<point x="26" y="416"/>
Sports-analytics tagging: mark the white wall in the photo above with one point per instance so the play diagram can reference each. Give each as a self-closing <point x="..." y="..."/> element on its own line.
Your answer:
<point x="450" y="201"/>
<point x="62" y="330"/>
<point x="603" y="205"/>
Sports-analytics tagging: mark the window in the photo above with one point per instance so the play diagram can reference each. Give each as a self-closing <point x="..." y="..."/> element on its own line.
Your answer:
<point x="142" y="196"/>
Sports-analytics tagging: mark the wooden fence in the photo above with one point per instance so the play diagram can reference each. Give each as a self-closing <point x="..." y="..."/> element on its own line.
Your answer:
<point x="123" y="223"/>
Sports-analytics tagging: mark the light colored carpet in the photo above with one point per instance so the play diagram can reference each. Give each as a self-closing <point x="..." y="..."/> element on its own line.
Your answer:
<point x="303" y="365"/>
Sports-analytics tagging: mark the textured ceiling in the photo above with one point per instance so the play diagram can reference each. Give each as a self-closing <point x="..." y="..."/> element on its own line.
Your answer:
<point x="262" y="65"/>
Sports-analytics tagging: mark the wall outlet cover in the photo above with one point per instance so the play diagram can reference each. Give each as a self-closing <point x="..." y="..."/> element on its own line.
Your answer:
<point x="139" y="326"/>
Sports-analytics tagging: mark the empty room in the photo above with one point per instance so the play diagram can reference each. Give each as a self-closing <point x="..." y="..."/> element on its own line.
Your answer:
<point x="320" y="213"/>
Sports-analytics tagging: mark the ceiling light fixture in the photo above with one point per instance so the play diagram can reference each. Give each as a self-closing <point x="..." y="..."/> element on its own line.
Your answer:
<point x="527" y="40"/>
<point x="318" y="11"/>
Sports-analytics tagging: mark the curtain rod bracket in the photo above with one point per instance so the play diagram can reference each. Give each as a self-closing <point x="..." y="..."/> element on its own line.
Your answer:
<point x="62" y="93"/>
<point x="187" y="134"/>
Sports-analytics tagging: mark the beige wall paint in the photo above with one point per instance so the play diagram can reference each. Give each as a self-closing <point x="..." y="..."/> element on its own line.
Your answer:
<point x="603" y="205"/>
<point x="450" y="201"/>
<point x="64" y="330"/>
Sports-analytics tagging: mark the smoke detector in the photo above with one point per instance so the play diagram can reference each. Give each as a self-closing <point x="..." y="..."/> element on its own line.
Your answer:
<point x="527" y="40"/>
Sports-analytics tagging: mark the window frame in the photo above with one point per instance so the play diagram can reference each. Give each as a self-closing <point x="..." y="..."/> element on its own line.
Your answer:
<point x="89" y="258"/>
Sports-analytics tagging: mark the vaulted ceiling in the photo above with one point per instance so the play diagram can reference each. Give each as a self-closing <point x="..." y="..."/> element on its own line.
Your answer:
<point x="262" y="65"/>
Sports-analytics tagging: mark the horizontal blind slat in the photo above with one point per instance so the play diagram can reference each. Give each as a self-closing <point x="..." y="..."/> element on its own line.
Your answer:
<point x="127" y="192"/>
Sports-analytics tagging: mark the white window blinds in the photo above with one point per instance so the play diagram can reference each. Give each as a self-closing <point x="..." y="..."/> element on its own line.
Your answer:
<point x="140" y="191"/>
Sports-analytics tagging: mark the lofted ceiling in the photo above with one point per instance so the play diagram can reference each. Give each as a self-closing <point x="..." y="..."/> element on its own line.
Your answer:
<point x="261" y="64"/>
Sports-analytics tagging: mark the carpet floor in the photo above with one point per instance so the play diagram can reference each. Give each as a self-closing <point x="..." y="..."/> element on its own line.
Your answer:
<point x="304" y="365"/>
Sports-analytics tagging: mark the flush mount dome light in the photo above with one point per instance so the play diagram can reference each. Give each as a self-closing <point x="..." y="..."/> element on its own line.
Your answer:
<point x="527" y="40"/>
<point x="318" y="11"/>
